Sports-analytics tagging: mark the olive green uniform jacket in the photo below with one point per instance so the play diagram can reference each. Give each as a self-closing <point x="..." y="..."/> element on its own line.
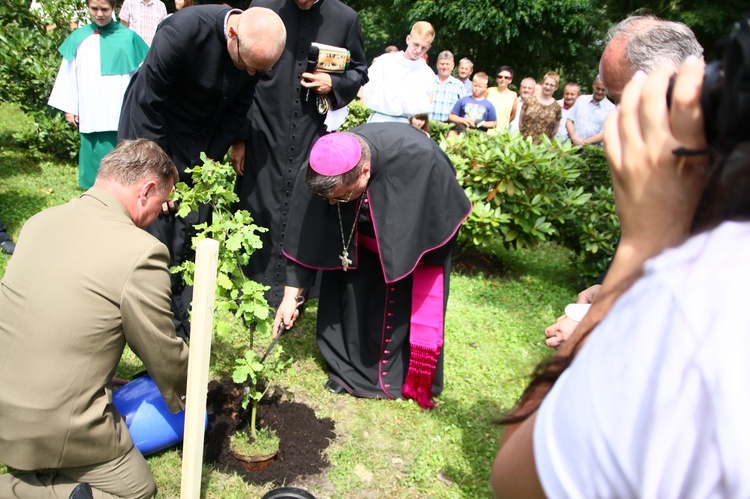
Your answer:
<point x="84" y="280"/>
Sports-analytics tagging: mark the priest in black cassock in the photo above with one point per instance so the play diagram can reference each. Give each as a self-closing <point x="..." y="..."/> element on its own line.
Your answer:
<point x="191" y="95"/>
<point x="378" y="209"/>
<point x="289" y="109"/>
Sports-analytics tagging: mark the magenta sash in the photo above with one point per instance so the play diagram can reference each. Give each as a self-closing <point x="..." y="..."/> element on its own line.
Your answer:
<point x="426" y="333"/>
<point x="425" y="330"/>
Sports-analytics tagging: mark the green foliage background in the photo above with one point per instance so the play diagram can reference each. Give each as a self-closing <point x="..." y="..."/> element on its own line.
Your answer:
<point x="28" y="66"/>
<point x="448" y="452"/>
<point x="533" y="36"/>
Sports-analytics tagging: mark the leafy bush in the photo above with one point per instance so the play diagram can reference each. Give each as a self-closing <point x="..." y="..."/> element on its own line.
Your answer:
<point x="601" y="231"/>
<point x="30" y="60"/>
<point x="594" y="228"/>
<point x="592" y="232"/>
<point x="358" y="115"/>
<point x="438" y="130"/>
<point x="50" y="134"/>
<point x="594" y="169"/>
<point x="524" y="193"/>
<point x="520" y="191"/>
<point x="239" y="301"/>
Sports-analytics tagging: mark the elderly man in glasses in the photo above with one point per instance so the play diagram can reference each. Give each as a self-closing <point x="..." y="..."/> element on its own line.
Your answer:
<point x="192" y="95"/>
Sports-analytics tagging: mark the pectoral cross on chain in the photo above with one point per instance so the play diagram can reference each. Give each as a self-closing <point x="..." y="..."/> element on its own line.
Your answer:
<point x="344" y="257"/>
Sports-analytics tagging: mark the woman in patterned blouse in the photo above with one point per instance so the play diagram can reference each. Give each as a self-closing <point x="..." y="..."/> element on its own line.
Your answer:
<point x="541" y="115"/>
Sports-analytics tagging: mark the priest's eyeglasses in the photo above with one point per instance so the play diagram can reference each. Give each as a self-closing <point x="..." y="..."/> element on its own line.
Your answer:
<point x="245" y="67"/>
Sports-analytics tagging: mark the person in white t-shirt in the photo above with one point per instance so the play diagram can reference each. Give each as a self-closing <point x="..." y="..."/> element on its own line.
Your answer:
<point x="651" y="403"/>
<point x="571" y="92"/>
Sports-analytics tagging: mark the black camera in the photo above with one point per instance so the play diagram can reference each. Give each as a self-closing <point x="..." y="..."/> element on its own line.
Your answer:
<point x="725" y="98"/>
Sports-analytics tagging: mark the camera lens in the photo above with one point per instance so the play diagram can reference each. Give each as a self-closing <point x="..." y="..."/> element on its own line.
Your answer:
<point x="713" y="81"/>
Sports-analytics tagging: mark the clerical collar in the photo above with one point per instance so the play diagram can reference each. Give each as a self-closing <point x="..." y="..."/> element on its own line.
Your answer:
<point x="226" y="21"/>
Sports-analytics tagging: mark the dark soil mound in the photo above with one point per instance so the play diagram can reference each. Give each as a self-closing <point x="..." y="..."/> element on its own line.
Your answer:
<point x="302" y="436"/>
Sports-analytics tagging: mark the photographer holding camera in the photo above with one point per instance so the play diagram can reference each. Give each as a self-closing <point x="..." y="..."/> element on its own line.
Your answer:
<point x="637" y="43"/>
<point x="652" y="404"/>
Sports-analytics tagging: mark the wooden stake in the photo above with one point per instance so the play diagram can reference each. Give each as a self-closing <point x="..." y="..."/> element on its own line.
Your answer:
<point x="204" y="291"/>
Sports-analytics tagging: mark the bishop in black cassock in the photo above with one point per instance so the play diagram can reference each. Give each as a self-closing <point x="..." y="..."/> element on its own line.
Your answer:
<point x="380" y="319"/>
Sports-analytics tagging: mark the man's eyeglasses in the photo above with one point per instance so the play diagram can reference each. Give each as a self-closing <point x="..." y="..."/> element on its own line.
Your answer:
<point x="340" y="200"/>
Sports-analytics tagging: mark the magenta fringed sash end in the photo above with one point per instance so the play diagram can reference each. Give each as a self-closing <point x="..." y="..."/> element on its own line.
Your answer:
<point x="421" y="374"/>
<point x="425" y="334"/>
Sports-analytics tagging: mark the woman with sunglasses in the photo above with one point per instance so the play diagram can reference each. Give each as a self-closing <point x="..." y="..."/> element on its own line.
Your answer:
<point x="503" y="98"/>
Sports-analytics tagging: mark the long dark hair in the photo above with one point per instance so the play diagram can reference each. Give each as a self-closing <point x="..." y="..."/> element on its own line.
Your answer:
<point x="725" y="197"/>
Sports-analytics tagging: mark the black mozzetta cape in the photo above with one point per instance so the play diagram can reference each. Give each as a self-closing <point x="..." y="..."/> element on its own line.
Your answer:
<point x="415" y="201"/>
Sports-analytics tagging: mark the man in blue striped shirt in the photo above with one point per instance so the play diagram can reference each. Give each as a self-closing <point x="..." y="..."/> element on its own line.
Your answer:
<point x="447" y="88"/>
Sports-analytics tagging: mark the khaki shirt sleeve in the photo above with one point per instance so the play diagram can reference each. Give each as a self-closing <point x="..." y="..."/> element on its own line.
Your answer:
<point x="148" y="329"/>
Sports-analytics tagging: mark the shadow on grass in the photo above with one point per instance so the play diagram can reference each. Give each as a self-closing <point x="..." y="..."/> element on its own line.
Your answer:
<point x="16" y="207"/>
<point x="7" y="140"/>
<point x="470" y="472"/>
<point x="15" y="162"/>
<point x="546" y="261"/>
<point x="474" y="263"/>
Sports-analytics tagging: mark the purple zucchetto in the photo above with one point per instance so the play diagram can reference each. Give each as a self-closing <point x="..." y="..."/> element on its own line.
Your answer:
<point x="334" y="154"/>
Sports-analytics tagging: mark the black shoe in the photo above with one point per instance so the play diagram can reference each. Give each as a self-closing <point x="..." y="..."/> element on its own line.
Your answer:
<point x="334" y="387"/>
<point x="83" y="491"/>
<point x="8" y="246"/>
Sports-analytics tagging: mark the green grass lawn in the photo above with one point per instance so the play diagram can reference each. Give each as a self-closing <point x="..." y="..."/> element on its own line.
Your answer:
<point x="383" y="449"/>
